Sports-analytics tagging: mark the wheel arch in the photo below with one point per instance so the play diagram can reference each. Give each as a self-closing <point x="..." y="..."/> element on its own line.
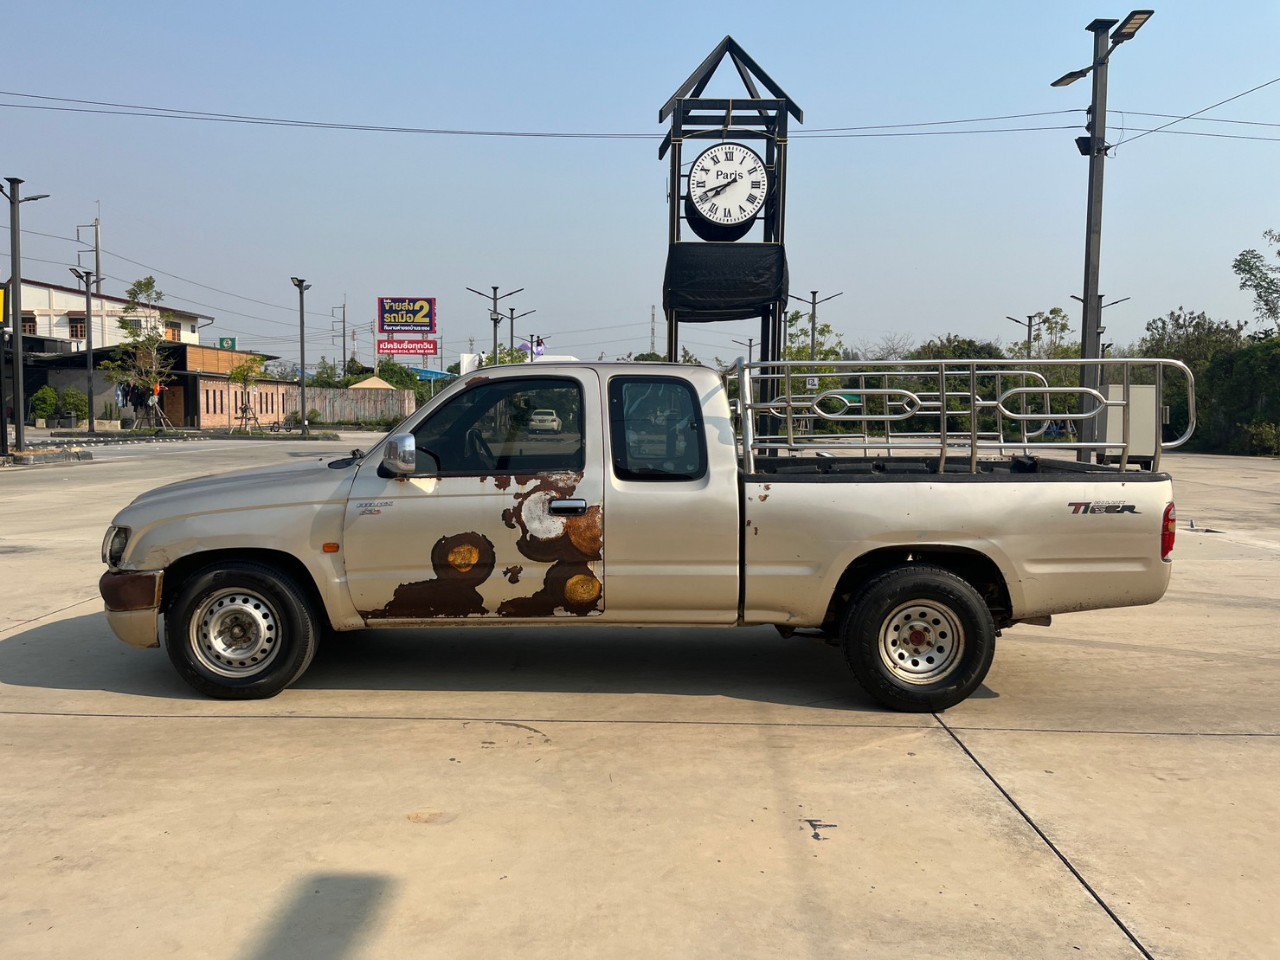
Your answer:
<point x="974" y="567"/>
<point x="181" y="570"/>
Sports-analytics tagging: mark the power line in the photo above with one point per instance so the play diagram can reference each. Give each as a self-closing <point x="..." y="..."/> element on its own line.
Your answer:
<point x="821" y="133"/>
<point x="1198" y="112"/>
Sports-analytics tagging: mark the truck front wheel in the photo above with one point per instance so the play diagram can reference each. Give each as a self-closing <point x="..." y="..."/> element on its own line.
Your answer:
<point x="240" y="631"/>
<point x="919" y="638"/>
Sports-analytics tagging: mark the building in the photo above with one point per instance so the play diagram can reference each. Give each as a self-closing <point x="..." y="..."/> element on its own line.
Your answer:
<point x="54" y="325"/>
<point x="53" y="320"/>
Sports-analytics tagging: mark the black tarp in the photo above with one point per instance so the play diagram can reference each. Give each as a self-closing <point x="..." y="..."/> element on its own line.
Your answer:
<point x="723" y="281"/>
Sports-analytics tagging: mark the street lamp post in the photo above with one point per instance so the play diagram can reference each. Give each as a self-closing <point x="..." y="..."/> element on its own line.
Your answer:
<point x="1030" y="323"/>
<point x="303" y="287"/>
<point x="86" y="277"/>
<point x="494" y="313"/>
<point x="511" y="326"/>
<point x="750" y="344"/>
<point x="15" y="304"/>
<point x="1094" y="147"/>
<point x="813" y="302"/>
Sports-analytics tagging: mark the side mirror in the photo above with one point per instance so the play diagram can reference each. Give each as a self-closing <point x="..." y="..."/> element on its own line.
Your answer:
<point x="400" y="456"/>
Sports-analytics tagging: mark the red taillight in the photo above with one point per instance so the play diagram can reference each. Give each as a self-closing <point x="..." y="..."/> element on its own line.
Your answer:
<point x="1167" y="531"/>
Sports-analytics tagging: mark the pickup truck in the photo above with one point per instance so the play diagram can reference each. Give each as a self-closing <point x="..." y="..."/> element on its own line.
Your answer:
<point x="672" y="495"/>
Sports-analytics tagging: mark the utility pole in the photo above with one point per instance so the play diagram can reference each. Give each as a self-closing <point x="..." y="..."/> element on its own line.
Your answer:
<point x="511" y="327"/>
<point x="494" y="315"/>
<point x="303" y="287"/>
<point x="15" y="304"/>
<point x="813" y="302"/>
<point x="1030" y="323"/>
<point x="653" y="319"/>
<point x="86" y="277"/>
<point x="1094" y="146"/>
<point x="342" y="363"/>
<point x="749" y="345"/>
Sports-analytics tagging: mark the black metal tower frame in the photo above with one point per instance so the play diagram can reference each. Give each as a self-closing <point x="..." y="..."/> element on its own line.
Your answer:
<point x="752" y="118"/>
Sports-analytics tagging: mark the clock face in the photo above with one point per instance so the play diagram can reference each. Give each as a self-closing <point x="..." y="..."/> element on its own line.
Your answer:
<point x="728" y="184"/>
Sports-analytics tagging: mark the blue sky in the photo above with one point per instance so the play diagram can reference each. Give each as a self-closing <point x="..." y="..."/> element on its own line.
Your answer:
<point x="923" y="235"/>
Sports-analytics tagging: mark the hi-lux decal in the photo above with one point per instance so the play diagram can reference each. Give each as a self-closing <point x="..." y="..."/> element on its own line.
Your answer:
<point x="1102" y="506"/>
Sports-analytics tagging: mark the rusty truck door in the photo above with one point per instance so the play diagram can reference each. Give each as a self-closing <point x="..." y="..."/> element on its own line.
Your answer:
<point x="506" y="521"/>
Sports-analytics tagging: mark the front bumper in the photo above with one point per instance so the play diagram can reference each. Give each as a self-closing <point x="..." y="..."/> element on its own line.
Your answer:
<point x="132" y="599"/>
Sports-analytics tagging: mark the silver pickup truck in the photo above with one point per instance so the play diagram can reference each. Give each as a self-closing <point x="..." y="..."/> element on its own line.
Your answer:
<point x="906" y="512"/>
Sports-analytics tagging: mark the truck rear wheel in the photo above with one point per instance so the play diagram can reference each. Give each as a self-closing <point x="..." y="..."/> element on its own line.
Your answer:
<point x="240" y="631"/>
<point x="919" y="638"/>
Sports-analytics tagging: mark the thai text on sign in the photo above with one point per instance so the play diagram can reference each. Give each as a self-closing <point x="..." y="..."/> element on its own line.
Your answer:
<point x="404" y="314"/>
<point x="411" y="348"/>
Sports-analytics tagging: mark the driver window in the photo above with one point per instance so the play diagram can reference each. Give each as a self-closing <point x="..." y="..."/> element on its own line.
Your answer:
<point x="518" y="426"/>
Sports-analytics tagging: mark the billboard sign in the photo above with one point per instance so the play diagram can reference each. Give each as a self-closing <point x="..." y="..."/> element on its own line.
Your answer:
<point x="409" y="348"/>
<point x="406" y="314"/>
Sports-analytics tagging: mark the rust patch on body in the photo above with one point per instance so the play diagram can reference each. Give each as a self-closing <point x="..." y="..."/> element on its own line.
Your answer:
<point x="546" y="538"/>
<point x="764" y="497"/>
<point x="569" y="586"/>
<point x="512" y="573"/>
<point x="128" y="590"/>
<point x="461" y="563"/>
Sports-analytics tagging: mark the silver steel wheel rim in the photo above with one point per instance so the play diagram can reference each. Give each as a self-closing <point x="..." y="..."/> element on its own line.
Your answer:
<point x="921" y="642"/>
<point x="235" y="633"/>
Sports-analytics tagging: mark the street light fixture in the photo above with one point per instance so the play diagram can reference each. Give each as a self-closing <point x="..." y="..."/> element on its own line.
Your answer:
<point x="303" y="287"/>
<point x="86" y="277"/>
<point x="494" y="314"/>
<point x="813" y="302"/>
<point x="15" y="309"/>
<point x="1094" y="146"/>
<point x="1030" y="323"/>
<point x="511" y="326"/>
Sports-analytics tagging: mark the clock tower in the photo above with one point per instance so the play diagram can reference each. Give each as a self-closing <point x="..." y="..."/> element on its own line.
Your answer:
<point x="735" y="186"/>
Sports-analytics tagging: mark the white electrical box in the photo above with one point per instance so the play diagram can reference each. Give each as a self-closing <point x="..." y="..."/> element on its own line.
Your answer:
<point x="1145" y="420"/>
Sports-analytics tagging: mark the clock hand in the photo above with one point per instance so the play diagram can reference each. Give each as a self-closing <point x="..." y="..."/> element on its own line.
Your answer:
<point x="716" y="191"/>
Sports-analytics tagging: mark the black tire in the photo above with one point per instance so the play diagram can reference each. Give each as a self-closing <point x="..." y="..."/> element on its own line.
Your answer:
<point x="240" y="631"/>
<point x="918" y="638"/>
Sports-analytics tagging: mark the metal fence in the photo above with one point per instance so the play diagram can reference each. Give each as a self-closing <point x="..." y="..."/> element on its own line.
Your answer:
<point x="972" y="409"/>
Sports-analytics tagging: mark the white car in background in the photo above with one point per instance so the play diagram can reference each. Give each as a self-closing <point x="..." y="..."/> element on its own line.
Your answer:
<point x="544" y="421"/>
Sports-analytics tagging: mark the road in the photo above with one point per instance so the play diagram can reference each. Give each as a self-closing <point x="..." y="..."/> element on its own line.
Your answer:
<point x="1109" y="792"/>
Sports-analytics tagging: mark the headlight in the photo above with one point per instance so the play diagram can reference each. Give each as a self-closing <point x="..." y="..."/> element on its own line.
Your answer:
<point x="113" y="545"/>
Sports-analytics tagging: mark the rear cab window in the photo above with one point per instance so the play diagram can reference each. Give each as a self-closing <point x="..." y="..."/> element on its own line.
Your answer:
<point x="656" y="430"/>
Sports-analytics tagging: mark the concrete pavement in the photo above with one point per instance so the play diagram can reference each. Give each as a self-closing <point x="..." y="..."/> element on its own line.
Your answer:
<point x="665" y="793"/>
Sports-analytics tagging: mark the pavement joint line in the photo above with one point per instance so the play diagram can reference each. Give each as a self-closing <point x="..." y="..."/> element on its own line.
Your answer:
<point x="71" y="606"/>
<point x="1123" y="733"/>
<point x="433" y="719"/>
<point x="1045" y="837"/>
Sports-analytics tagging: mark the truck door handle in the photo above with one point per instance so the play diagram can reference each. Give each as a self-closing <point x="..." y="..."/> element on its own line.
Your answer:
<point x="567" y="508"/>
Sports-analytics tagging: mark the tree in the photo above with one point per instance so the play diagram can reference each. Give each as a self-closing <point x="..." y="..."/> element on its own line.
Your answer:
<point x="398" y="375"/>
<point x="354" y="368"/>
<point x="1261" y="278"/>
<point x="142" y="360"/>
<point x="955" y="347"/>
<point x="248" y="373"/>
<point x="1196" y="340"/>
<point x="325" y="374"/>
<point x="1193" y="338"/>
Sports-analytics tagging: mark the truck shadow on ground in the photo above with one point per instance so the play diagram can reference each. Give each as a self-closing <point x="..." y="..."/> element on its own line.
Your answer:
<point x="753" y="664"/>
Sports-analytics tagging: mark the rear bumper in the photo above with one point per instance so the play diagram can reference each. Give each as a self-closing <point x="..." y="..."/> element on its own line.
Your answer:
<point x="132" y="599"/>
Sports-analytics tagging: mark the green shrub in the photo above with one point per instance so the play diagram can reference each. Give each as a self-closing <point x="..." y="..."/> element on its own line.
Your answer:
<point x="74" y="403"/>
<point x="44" y="403"/>
<point x="292" y="418"/>
<point x="1260" y="439"/>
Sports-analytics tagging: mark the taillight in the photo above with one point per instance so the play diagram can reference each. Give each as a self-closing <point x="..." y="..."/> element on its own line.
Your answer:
<point x="1167" y="531"/>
